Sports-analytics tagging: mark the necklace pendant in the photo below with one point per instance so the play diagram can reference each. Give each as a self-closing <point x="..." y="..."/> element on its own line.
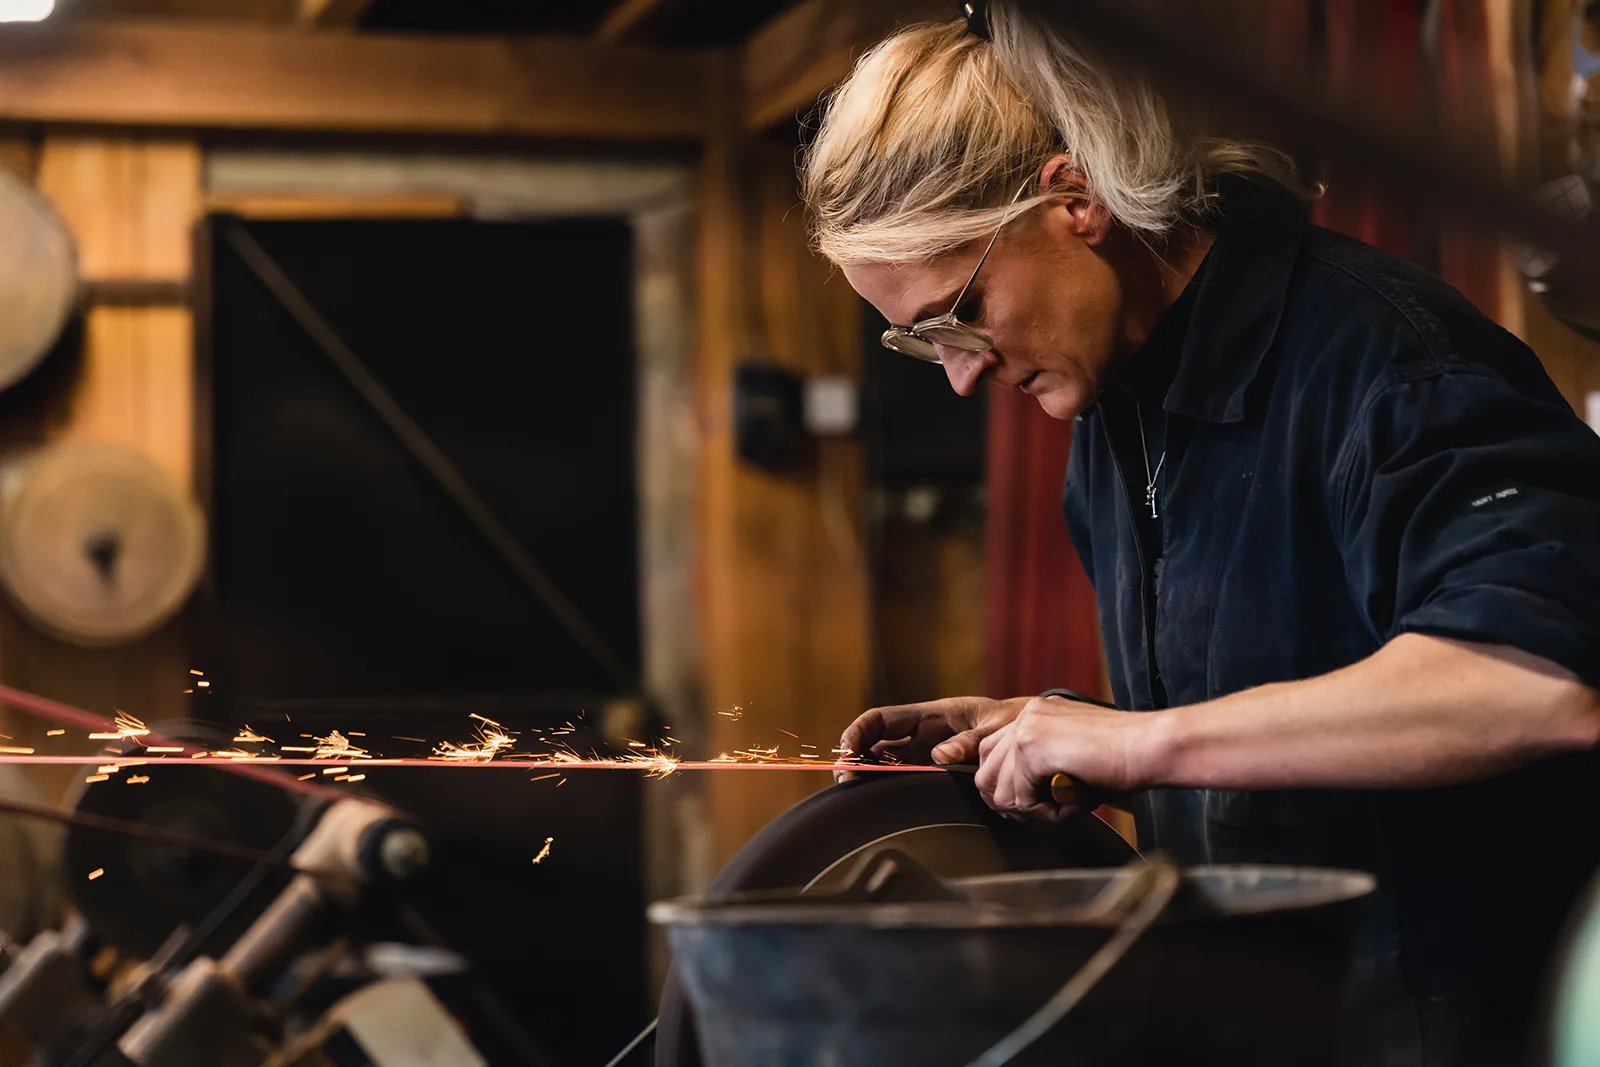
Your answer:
<point x="1150" y="498"/>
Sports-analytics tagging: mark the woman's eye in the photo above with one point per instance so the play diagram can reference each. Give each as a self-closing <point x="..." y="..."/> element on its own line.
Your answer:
<point x="970" y="308"/>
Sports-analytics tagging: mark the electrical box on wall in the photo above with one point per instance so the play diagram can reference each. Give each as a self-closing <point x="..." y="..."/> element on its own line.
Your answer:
<point x="777" y="413"/>
<point x="769" y="416"/>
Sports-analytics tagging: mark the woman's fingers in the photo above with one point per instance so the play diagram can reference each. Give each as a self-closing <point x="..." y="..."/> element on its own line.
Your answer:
<point x="906" y="731"/>
<point x="992" y="752"/>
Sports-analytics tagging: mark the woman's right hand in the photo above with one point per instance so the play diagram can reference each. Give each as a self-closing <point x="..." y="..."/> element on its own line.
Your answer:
<point x="936" y="731"/>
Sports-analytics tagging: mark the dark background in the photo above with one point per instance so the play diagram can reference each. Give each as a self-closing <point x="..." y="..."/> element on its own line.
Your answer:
<point x="348" y="592"/>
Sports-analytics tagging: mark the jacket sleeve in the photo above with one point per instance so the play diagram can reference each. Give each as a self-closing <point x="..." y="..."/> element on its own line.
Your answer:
<point x="1470" y="508"/>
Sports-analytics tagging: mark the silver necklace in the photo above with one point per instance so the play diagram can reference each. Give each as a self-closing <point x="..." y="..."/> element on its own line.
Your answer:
<point x="1150" y="476"/>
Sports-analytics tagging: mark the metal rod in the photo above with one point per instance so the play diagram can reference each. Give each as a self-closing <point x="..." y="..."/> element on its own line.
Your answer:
<point x="532" y="764"/>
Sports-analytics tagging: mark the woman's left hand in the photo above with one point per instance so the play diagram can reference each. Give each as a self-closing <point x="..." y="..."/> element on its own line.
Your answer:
<point x="1100" y="748"/>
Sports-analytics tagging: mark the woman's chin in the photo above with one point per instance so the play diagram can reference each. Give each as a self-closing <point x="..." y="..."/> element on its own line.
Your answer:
<point x="1062" y="401"/>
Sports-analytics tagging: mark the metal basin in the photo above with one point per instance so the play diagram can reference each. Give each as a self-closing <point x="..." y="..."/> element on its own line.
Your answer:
<point x="1244" y="969"/>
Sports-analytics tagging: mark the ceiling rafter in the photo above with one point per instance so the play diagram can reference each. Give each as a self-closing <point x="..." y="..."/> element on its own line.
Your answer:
<point x="279" y="77"/>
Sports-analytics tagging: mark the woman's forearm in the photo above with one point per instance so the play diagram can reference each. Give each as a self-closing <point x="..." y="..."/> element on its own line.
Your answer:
<point x="1422" y="711"/>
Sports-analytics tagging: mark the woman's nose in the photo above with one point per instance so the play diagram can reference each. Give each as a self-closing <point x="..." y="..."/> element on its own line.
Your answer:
<point x="964" y="368"/>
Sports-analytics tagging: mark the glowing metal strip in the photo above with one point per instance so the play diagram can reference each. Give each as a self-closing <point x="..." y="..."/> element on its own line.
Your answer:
<point x="66" y="714"/>
<point x="648" y="766"/>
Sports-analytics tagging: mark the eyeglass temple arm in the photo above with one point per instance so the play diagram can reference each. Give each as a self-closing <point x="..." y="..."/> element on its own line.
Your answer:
<point x="990" y="247"/>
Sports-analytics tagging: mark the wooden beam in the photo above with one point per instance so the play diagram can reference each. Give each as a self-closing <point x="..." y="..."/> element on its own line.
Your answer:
<point x="246" y="77"/>
<point x="320" y="14"/>
<point x="302" y="206"/>
<point x="805" y="51"/>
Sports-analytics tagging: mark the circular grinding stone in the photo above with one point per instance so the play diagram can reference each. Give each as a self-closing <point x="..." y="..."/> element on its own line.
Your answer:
<point x="97" y="545"/>
<point x="38" y="277"/>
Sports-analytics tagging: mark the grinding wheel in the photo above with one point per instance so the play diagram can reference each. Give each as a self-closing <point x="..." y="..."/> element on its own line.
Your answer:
<point x="938" y="819"/>
<point x="147" y="889"/>
<point x="98" y="546"/>
<point x="38" y="277"/>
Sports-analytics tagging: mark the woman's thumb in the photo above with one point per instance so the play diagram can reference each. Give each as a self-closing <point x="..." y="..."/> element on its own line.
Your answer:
<point x="962" y="748"/>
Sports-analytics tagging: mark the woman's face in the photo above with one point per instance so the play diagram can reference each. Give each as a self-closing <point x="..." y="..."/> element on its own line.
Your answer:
<point x="1051" y="295"/>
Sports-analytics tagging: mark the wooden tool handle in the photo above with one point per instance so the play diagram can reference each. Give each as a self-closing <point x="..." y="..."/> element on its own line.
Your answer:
<point x="1065" y="790"/>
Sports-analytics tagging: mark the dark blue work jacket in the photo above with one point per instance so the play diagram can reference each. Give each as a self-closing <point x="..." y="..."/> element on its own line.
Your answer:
<point x="1355" y="452"/>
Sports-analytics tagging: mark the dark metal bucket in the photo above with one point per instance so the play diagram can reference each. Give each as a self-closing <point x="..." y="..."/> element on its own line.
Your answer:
<point x="1244" y="969"/>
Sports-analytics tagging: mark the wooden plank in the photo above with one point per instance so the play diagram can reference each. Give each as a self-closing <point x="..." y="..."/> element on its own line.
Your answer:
<point x="132" y="205"/>
<point x="807" y="50"/>
<point x="248" y="77"/>
<point x="784" y="595"/>
<point x="268" y="206"/>
<point x="321" y="14"/>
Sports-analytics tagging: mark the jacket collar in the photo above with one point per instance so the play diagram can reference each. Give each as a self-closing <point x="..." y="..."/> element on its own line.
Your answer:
<point x="1243" y="288"/>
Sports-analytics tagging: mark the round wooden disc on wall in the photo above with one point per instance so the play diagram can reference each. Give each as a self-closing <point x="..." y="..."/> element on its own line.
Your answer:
<point x="98" y="546"/>
<point x="38" y="277"/>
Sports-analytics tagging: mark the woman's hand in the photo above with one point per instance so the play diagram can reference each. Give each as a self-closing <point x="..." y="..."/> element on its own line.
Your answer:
<point x="937" y="731"/>
<point x="1100" y="748"/>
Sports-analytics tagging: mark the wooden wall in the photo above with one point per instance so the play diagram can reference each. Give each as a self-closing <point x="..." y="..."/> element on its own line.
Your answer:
<point x="783" y="584"/>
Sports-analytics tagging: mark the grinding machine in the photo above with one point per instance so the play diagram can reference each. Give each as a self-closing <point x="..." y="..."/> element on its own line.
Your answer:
<point x="233" y="937"/>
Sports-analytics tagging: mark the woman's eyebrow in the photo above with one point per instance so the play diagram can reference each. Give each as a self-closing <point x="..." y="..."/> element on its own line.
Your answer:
<point x="937" y="307"/>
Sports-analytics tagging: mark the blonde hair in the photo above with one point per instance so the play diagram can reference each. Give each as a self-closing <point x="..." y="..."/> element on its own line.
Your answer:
<point x="924" y="145"/>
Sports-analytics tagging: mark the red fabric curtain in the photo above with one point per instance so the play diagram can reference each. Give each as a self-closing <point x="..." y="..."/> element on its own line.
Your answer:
<point x="1041" y="626"/>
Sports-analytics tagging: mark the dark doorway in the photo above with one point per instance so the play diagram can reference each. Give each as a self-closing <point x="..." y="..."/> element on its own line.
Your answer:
<point x="349" y="591"/>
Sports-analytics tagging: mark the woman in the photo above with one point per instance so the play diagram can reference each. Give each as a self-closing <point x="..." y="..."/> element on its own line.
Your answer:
<point x="1344" y="531"/>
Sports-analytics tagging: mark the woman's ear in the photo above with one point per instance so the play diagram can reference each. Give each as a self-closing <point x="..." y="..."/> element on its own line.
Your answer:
<point x="1060" y="176"/>
<point x="1090" y="221"/>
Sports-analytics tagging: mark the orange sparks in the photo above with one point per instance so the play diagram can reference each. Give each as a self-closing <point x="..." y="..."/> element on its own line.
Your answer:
<point x="54" y="733"/>
<point x="337" y="746"/>
<point x="546" y="777"/>
<point x="544" y="853"/>
<point x="164" y="748"/>
<point x="197" y="674"/>
<point x="248" y="736"/>
<point x="96" y="873"/>
<point x="138" y="779"/>
<point x="98" y="778"/>
<point x="15" y="750"/>
<point x="734" y="713"/>
<point x="127" y="726"/>
<point x="492" y="741"/>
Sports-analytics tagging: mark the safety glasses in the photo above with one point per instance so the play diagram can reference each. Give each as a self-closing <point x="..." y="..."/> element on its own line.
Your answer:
<point x="919" y="340"/>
